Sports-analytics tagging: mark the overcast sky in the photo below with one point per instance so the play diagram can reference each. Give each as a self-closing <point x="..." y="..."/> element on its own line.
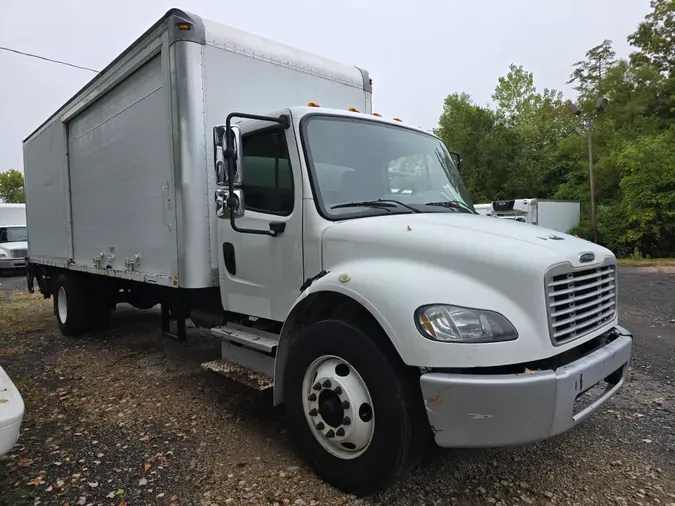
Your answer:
<point x="417" y="51"/>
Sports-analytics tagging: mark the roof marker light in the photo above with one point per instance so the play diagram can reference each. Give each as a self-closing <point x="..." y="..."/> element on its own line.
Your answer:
<point x="353" y="109"/>
<point x="313" y="104"/>
<point x="398" y="119"/>
<point x="377" y="114"/>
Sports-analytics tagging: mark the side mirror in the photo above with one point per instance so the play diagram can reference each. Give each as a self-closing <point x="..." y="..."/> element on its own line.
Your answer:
<point x="228" y="155"/>
<point x="223" y="210"/>
<point x="457" y="159"/>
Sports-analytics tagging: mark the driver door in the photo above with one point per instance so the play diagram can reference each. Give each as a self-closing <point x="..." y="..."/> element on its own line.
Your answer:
<point x="259" y="274"/>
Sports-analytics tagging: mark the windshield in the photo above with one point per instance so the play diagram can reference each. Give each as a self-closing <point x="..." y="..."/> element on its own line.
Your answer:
<point x="356" y="161"/>
<point x="13" y="234"/>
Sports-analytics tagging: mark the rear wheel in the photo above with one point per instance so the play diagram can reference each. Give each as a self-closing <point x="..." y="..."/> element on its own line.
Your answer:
<point x="354" y="409"/>
<point x="69" y="305"/>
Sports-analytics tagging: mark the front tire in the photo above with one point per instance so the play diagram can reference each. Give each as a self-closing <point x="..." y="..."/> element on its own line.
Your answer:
<point x="354" y="409"/>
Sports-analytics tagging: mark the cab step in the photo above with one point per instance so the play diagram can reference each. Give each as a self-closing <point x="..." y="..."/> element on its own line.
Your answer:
<point x="254" y="379"/>
<point x="265" y="342"/>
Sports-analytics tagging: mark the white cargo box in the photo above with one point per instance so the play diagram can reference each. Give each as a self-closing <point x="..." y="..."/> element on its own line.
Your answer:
<point x="120" y="180"/>
<point x="11" y="413"/>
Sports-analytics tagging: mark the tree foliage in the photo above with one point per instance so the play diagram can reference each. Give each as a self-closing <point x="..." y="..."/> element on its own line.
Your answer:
<point x="11" y="187"/>
<point x="529" y="144"/>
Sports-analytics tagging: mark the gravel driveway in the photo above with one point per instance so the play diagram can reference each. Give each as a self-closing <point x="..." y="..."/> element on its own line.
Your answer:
<point x="127" y="417"/>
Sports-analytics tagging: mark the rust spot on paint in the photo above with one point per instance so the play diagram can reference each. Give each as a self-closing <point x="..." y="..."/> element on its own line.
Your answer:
<point x="435" y="400"/>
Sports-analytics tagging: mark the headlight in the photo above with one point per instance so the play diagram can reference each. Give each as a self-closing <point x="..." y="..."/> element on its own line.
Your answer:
<point x="454" y="324"/>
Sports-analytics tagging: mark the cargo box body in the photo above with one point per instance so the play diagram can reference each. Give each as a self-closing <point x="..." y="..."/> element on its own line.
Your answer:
<point x="120" y="180"/>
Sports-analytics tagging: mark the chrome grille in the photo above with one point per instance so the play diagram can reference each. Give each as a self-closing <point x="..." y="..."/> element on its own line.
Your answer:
<point x="580" y="301"/>
<point x="19" y="253"/>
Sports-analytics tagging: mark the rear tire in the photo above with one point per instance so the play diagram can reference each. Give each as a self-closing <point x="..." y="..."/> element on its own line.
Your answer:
<point x="70" y="305"/>
<point x="383" y="439"/>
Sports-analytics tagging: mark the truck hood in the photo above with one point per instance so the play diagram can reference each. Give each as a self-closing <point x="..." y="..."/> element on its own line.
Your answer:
<point x="399" y="263"/>
<point x="447" y="238"/>
<point x="8" y="247"/>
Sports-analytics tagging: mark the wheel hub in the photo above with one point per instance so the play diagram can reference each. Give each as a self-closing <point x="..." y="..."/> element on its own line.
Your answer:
<point x="338" y="407"/>
<point x="330" y="408"/>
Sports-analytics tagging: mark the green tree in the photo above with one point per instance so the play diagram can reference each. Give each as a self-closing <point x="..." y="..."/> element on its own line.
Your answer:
<point x="648" y="187"/>
<point x="11" y="187"/>
<point x="655" y="37"/>
<point x="515" y="94"/>
<point x="588" y="74"/>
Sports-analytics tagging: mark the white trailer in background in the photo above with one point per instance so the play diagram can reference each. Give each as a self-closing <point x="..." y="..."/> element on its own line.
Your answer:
<point x="559" y="215"/>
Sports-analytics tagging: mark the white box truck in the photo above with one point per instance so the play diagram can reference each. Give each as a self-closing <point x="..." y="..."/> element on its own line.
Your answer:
<point x="559" y="215"/>
<point x="189" y="174"/>
<point x="13" y="237"/>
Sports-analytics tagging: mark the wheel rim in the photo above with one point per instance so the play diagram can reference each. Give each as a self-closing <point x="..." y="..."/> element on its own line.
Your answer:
<point x="338" y="407"/>
<point x="62" y="303"/>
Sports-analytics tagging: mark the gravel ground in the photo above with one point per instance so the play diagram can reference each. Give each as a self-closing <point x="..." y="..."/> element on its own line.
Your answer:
<point x="127" y="417"/>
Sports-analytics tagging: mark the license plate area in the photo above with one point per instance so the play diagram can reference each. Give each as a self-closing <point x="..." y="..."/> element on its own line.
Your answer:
<point x="596" y="392"/>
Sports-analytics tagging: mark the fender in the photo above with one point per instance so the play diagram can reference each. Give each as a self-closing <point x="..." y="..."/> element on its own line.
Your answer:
<point x="391" y="290"/>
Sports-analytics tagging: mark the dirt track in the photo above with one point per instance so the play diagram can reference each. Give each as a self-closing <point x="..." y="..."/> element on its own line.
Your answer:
<point x="128" y="417"/>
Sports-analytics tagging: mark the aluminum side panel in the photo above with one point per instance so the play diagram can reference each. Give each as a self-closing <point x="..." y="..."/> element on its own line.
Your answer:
<point x="120" y="167"/>
<point x="194" y="209"/>
<point x="47" y="198"/>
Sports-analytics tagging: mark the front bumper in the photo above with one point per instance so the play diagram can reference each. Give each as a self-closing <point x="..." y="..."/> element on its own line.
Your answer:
<point x="12" y="263"/>
<point x="472" y="410"/>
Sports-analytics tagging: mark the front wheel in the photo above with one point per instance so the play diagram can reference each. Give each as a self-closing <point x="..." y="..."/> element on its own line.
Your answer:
<point x="354" y="410"/>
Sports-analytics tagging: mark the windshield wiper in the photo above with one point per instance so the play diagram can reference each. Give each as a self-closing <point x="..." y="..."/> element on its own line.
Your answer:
<point x="379" y="203"/>
<point x="455" y="204"/>
<point x="366" y="203"/>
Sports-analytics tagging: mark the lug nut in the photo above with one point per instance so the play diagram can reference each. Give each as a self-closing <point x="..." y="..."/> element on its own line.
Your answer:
<point x="345" y="404"/>
<point x="346" y="420"/>
<point x="320" y="426"/>
<point x="312" y="397"/>
<point x="327" y="384"/>
<point x="313" y="412"/>
<point x="317" y="386"/>
<point x="340" y="432"/>
<point x="330" y="434"/>
<point x="338" y="390"/>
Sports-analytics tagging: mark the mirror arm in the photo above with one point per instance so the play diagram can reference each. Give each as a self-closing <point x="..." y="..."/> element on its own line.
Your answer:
<point x="459" y="158"/>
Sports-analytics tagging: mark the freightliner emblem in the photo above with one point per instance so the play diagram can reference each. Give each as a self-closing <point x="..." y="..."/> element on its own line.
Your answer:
<point x="584" y="258"/>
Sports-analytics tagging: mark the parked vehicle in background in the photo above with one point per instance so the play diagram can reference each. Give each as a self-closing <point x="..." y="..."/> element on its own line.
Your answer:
<point x="559" y="215"/>
<point x="336" y="254"/>
<point x="11" y="413"/>
<point x="13" y="237"/>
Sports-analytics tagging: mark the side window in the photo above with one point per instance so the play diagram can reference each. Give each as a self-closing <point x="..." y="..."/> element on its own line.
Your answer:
<point x="268" y="179"/>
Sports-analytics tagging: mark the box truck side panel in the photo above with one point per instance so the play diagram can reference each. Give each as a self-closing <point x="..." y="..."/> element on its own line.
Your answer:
<point x="558" y="215"/>
<point x="120" y="170"/>
<point x="48" y="207"/>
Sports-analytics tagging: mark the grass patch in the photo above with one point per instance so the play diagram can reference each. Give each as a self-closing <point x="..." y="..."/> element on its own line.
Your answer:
<point x="23" y="311"/>
<point x="646" y="262"/>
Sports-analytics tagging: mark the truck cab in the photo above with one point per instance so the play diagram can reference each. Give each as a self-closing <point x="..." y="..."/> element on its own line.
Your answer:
<point x="420" y="276"/>
<point x="13" y="237"/>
